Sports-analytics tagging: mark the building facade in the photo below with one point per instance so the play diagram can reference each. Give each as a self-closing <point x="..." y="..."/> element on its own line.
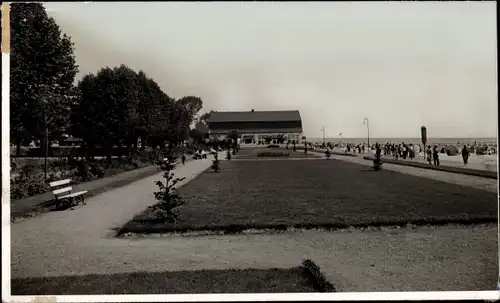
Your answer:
<point x="257" y="127"/>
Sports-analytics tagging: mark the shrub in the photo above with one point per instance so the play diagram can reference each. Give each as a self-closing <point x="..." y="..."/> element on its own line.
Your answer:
<point x="167" y="195"/>
<point x="312" y="272"/>
<point x="13" y="164"/>
<point x="83" y="170"/>
<point x="215" y="165"/>
<point x="273" y="154"/>
<point x="97" y="170"/>
<point x="28" y="183"/>
<point x="377" y="162"/>
<point x="133" y="162"/>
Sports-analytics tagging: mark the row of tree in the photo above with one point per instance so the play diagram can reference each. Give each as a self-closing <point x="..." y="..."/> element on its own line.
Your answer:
<point x="111" y="108"/>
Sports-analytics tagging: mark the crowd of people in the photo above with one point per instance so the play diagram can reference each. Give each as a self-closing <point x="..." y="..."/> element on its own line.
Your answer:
<point x="410" y="151"/>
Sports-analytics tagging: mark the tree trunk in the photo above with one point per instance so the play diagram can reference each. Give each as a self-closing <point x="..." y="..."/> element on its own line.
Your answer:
<point x="42" y="146"/>
<point x="18" y="148"/>
<point x="109" y="153"/>
<point x="128" y="149"/>
<point x="86" y="150"/>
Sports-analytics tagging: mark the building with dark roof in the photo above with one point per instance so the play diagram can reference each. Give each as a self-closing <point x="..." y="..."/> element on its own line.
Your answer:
<point x="255" y="127"/>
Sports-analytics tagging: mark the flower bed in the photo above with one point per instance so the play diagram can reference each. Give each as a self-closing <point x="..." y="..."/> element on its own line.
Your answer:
<point x="273" y="154"/>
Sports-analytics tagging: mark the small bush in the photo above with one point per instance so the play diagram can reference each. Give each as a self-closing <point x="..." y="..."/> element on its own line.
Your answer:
<point x="215" y="165"/>
<point x="83" y="170"/>
<point x="13" y="164"/>
<point x="312" y="272"/>
<point x="167" y="195"/>
<point x="97" y="170"/>
<point x="27" y="184"/>
<point x="273" y="154"/>
<point x="377" y="162"/>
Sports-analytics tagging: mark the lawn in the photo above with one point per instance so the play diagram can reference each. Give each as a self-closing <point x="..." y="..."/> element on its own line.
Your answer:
<point x="247" y="153"/>
<point x="182" y="282"/>
<point x="322" y="193"/>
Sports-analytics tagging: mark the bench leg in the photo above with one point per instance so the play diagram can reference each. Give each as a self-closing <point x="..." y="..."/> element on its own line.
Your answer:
<point x="71" y="203"/>
<point x="80" y="199"/>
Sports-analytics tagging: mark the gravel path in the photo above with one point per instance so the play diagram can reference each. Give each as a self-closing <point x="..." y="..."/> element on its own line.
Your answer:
<point x="82" y="242"/>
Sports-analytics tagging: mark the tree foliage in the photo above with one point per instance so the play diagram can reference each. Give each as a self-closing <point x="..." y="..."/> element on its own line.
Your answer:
<point x="118" y="106"/>
<point x="167" y="196"/>
<point x="43" y="69"/>
<point x="112" y="108"/>
<point x="377" y="161"/>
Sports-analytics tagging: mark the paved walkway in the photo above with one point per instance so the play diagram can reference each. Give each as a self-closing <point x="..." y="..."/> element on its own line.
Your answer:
<point x="485" y="162"/>
<point x="81" y="242"/>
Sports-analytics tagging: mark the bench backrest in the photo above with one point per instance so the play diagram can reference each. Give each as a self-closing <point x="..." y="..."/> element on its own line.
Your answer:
<point x="60" y="188"/>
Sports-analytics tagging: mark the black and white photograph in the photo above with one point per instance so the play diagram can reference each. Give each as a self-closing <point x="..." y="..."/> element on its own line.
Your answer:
<point x="176" y="148"/>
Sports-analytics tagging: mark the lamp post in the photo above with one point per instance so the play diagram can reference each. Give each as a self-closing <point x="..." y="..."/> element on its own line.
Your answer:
<point x="365" y="121"/>
<point x="46" y="95"/>
<point x="324" y="139"/>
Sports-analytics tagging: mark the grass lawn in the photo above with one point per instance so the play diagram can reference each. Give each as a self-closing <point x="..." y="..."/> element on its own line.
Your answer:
<point x="247" y="153"/>
<point x="323" y="193"/>
<point x="182" y="282"/>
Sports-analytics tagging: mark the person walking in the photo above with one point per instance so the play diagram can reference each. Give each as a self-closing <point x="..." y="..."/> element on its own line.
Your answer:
<point x="465" y="154"/>
<point x="183" y="158"/>
<point x="429" y="154"/>
<point x="435" y="155"/>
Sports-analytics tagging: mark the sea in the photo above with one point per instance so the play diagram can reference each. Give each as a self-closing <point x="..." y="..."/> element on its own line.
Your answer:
<point x="492" y="142"/>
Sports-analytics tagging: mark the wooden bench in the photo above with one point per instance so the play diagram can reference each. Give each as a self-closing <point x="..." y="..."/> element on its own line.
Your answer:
<point x="64" y="194"/>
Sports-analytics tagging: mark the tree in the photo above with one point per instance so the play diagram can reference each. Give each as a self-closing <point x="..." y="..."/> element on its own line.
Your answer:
<point x="43" y="70"/>
<point x="167" y="196"/>
<point x="191" y="105"/>
<point x="182" y="116"/>
<point x="201" y="125"/>
<point x="149" y="109"/>
<point x="377" y="162"/>
<point x="107" y="110"/>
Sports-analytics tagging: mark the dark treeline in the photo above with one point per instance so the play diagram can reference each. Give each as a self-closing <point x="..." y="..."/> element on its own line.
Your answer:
<point x="109" y="109"/>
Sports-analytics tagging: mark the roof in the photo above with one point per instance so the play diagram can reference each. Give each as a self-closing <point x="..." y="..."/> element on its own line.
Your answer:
<point x="255" y="116"/>
<point x="259" y="131"/>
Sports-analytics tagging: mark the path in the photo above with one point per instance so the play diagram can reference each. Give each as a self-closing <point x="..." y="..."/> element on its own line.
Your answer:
<point x="456" y="161"/>
<point x="81" y="242"/>
<point x="485" y="162"/>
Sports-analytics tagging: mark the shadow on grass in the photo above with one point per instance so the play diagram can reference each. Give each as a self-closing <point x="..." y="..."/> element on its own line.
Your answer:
<point x="298" y="279"/>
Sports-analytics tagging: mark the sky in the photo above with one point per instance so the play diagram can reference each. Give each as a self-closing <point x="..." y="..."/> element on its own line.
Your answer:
<point x="399" y="64"/>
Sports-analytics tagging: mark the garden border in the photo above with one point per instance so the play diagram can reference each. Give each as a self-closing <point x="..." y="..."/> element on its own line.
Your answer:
<point x="450" y="169"/>
<point x="35" y="205"/>
<point x="143" y="229"/>
<point x="322" y="152"/>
